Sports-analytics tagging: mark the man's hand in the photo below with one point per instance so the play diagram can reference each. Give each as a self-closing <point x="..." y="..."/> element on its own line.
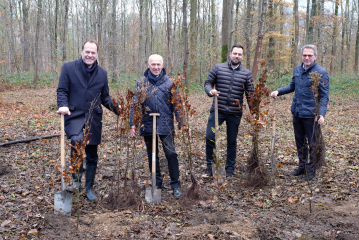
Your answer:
<point x="274" y="94"/>
<point x="321" y="119"/>
<point x="132" y="131"/>
<point x="64" y="111"/>
<point x="213" y="92"/>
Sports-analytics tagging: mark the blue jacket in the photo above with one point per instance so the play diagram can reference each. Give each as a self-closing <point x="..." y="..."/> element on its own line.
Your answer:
<point x="158" y="102"/>
<point x="84" y="99"/>
<point x="303" y="104"/>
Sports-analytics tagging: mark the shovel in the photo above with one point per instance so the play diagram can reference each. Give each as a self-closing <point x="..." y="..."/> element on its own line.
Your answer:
<point x="63" y="199"/>
<point x="153" y="195"/>
<point x="218" y="170"/>
<point x="272" y="156"/>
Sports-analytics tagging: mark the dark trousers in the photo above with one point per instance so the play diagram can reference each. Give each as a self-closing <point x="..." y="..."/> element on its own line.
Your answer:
<point x="232" y="122"/>
<point x="304" y="133"/>
<point x="90" y="150"/>
<point x="171" y="155"/>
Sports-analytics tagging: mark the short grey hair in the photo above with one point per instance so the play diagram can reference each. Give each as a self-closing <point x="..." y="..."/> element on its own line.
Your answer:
<point x="153" y="55"/>
<point x="311" y="46"/>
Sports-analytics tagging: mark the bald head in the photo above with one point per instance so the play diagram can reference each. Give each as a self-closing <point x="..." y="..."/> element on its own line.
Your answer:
<point x="155" y="64"/>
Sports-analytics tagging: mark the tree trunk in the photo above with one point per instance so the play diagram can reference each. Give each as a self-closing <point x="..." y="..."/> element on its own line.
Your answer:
<point x="259" y="39"/>
<point x="271" y="43"/>
<point x="307" y="22"/>
<point x="311" y="22"/>
<point x="169" y="35"/>
<point x="231" y="26"/>
<point x="99" y="33"/>
<point x="55" y="34"/>
<point x="225" y="28"/>
<point x="236" y="23"/>
<point x="356" y="64"/>
<point x="247" y="31"/>
<point x="65" y="29"/>
<point x="296" y="34"/>
<point x="12" y="42"/>
<point x="334" y="36"/>
<point x="140" y="39"/>
<point x="322" y="43"/>
<point x="185" y="40"/>
<point x="193" y="40"/>
<point x="213" y="32"/>
<point x="26" y="46"/>
<point x="37" y="35"/>
<point x="113" y="43"/>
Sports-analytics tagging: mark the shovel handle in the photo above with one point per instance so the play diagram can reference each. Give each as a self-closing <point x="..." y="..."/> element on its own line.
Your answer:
<point x="154" y="115"/>
<point x="216" y="129"/>
<point x="62" y="150"/>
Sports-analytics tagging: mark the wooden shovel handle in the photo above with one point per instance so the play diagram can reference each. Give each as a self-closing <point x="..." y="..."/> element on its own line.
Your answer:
<point x="62" y="141"/>
<point x="274" y="118"/>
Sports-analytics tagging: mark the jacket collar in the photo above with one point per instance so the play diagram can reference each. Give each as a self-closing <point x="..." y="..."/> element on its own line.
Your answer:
<point x="230" y="66"/>
<point x="158" y="82"/>
<point x="310" y="68"/>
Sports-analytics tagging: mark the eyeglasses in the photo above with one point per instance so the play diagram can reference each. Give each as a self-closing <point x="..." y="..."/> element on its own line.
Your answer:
<point x="309" y="56"/>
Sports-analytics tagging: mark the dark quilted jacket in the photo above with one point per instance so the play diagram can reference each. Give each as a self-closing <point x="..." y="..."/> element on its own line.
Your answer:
<point x="231" y="84"/>
<point x="303" y="101"/>
<point x="158" y="102"/>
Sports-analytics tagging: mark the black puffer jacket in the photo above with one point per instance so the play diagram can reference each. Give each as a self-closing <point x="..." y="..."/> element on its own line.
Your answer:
<point x="158" y="102"/>
<point x="231" y="84"/>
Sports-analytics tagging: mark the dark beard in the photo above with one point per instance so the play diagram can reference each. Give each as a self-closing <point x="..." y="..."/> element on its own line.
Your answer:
<point x="235" y="63"/>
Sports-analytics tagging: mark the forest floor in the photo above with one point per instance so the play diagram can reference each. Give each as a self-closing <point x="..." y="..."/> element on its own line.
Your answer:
<point x="29" y="178"/>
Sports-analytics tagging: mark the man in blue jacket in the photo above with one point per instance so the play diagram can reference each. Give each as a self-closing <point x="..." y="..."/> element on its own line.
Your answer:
<point x="82" y="88"/>
<point x="303" y="107"/>
<point x="159" y="87"/>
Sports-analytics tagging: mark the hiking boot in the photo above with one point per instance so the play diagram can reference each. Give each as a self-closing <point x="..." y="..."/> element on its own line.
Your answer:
<point x="298" y="172"/>
<point x="311" y="175"/>
<point x="208" y="172"/>
<point x="177" y="192"/>
<point x="229" y="175"/>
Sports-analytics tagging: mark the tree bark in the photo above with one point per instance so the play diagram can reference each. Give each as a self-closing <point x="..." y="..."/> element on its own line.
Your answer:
<point x="12" y="41"/>
<point x="65" y="29"/>
<point x="185" y="40"/>
<point x="25" y="42"/>
<point x="311" y="22"/>
<point x="99" y="33"/>
<point x="296" y="34"/>
<point x="322" y="43"/>
<point x="55" y="34"/>
<point x="169" y="35"/>
<point x="356" y="64"/>
<point x="113" y="63"/>
<point x="247" y="31"/>
<point x="334" y="36"/>
<point x="307" y="22"/>
<point x="213" y="32"/>
<point x="225" y="29"/>
<point x="271" y="43"/>
<point x="140" y="39"/>
<point x="231" y="26"/>
<point x="37" y="35"/>
<point x="259" y="39"/>
<point x="193" y="40"/>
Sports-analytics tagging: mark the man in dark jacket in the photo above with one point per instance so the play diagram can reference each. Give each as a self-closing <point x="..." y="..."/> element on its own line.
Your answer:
<point x="303" y="107"/>
<point x="229" y="81"/>
<point x="82" y="88"/>
<point x="159" y="87"/>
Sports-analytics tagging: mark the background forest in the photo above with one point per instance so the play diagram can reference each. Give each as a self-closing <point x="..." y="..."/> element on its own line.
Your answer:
<point x="192" y="35"/>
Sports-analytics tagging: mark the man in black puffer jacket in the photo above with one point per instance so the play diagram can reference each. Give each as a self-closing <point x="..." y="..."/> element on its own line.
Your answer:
<point x="159" y="88"/>
<point x="229" y="81"/>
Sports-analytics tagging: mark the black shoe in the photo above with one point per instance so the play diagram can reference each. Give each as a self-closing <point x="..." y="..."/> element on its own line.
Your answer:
<point x="229" y="175"/>
<point x="311" y="175"/>
<point x="90" y="180"/>
<point x="298" y="172"/>
<point x="209" y="172"/>
<point x="177" y="192"/>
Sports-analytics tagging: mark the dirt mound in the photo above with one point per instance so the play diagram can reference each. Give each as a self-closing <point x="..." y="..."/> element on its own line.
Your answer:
<point x="59" y="225"/>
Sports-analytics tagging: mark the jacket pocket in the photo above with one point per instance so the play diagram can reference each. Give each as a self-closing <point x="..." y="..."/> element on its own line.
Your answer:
<point x="71" y="107"/>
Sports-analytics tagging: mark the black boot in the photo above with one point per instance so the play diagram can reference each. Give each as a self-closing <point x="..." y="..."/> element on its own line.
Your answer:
<point x="90" y="180"/>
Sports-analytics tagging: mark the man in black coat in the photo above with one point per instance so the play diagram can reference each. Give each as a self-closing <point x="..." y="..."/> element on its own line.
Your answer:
<point x="82" y="88"/>
<point x="229" y="81"/>
<point x="159" y="101"/>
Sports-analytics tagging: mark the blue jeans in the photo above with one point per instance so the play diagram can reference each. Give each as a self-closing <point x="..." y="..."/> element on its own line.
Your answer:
<point x="171" y="155"/>
<point x="303" y="132"/>
<point x="233" y="122"/>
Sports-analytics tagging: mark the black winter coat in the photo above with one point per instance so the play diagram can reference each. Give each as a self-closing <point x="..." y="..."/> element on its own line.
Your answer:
<point x="158" y="102"/>
<point x="231" y="84"/>
<point x="81" y="97"/>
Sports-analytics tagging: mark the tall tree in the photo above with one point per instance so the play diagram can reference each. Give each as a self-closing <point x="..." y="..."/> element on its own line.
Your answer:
<point x="140" y="40"/>
<point x="259" y="39"/>
<point x="12" y="41"/>
<point x="272" y="30"/>
<point x="113" y="63"/>
<point x="99" y="32"/>
<point x="344" y="30"/>
<point x="335" y="30"/>
<point x="307" y="22"/>
<point x="231" y="30"/>
<point x="169" y="34"/>
<point x="213" y="32"/>
<point x="225" y="28"/>
<point x="322" y="42"/>
<point x="311" y="22"/>
<point x="55" y="33"/>
<point x="65" y="29"/>
<point x="37" y="36"/>
<point x="25" y="42"/>
<point x="247" y="31"/>
<point x="185" y="40"/>
<point x="193" y="39"/>
<point x="296" y="33"/>
<point x="356" y="56"/>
